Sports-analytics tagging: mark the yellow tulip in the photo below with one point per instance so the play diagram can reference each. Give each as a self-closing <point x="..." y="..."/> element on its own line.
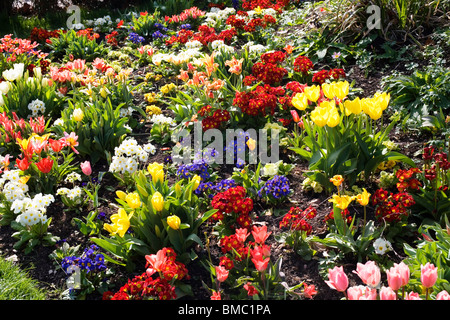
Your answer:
<point x="312" y="93"/>
<point x="158" y="175"/>
<point x="341" y="89"/>
<point x="382" y="99"/>
<point x="157" y="201"/>
<point x="328" y="90"/>
<point x="133" y="200"/>
<point x="300" y="101"/>
<point x="104" y="92"/>
<point x="24" y="179"/>
<point x="154" y="167"/>
<point x="121" y="195"/>
<point x="354" y="106"/>
<point x="251" y="143"/>
<point x="337" y="180"/>
<point x="363" y="198"/>
<point x="120" y="223"/>
<point x="174" y="222"/>
<point x="23" y="143"/>
<point x="319" y="116"/>
<point x="333" y="118"/>
<point x="197" y="179"/>
<point x="373" y="110"/>
<point x="341" y="202"/>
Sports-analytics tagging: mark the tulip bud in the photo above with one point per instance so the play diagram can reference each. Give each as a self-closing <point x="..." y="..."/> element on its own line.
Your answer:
<point x="86" y="168"/>
<point x="197" y="179"/>
<point x="157" y="201"/>
<point x="78" y="114"/>
<point x="174" y="222"/>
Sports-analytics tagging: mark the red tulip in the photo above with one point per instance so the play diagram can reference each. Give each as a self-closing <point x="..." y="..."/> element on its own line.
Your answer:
<point x="295" y="115"/>
<point x="221" y="273"/>
<point x="56" y="145"/>
<point x="45" y="165"/>
<point x="22" y="164"/>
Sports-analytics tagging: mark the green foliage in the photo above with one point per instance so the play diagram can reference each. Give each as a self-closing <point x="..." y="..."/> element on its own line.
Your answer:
<point x="432" y="251"/>
<point x="421" y="93"/>
<point x="99" y="132"/>
<point x="347" y="240"/>
<point x="69" y="45"/>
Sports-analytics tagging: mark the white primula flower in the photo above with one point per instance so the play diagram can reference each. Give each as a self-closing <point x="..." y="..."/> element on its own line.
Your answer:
<point x="381" y="246"/>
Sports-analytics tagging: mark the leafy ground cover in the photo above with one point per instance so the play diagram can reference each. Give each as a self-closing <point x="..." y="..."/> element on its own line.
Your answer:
<point x="105" y="196"/>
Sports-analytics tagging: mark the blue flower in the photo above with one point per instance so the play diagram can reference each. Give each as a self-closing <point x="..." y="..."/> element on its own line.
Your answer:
<point x="186" y="26"/>
<point x="277" y="187"/>
<point x="135" y="38"/>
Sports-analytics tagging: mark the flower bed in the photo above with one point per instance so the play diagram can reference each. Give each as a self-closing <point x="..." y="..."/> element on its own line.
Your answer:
<point x="113" y="188"/>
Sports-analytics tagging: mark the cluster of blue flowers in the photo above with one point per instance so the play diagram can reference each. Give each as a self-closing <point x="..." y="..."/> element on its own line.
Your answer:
<point x="278" y="187"/>
<point x="135" y="38"/>
<point x="199" y="167"/>
<point x="186" y="26"/>
<point x="234" y="146"/>
<point x="160" y="33"/>
<point x="208" y="187"/>
<point x="89" y="260"/>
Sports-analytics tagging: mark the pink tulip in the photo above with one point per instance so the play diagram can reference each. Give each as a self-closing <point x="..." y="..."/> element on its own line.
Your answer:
<point x="242" y="234"/>
<point x="443" y="295"/>
<point x="156" y="262"/>
<point x="412" y="296"/>
<point x="337" y="279"/>
<point x="369" y="273"/>
<point x="394" y="278"/>
<point x="428" y="275"/>
<point x="86" y="168"/>
<point x="387" y="293"/>
<point x="260" y="234"/>
<point x="361" y="293"/>
<point x="403" y="269"/>
<point x="261" y="264"/>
